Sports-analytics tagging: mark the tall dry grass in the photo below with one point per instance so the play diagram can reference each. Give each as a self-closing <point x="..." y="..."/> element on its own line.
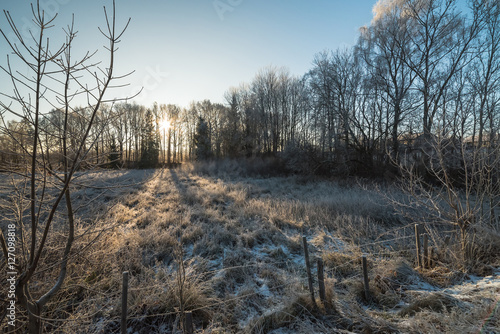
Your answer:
<point x="241" y="258"/>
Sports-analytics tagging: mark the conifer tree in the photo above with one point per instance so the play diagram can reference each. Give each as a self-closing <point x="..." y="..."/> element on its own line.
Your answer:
<point x="203" y="146"/>
<point x="149" y="143"/>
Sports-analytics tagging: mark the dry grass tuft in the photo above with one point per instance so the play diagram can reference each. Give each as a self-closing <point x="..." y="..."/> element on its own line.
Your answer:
<point x="342" y="264"/>
<point x="435" y="302"/>
<point x="397" y="272"/>
<point x="291" y="312"/>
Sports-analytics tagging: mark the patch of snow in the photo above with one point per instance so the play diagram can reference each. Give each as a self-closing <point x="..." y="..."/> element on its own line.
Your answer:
<point x="188" y="251"/>
<point x="252" y="314"/>
<point x="477" y="284"/>
<point x="264" y="291"/>
<point x="262" y="252"/>
<point x="280" y="331"/>
<point x="326" y="241"/>
<point x="420" y="285"/>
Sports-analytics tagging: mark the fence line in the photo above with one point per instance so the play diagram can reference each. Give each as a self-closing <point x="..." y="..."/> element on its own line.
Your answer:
<point x="82" y="319"/>
<point x="215" y="271"/>
<point x="213" y="304"/>
<point x="332" y="270"/>
<point x="68" y="320"/>
<point x="244" y="266"/>
<point x="397" y="229"/>
<point x="382" y="241"/>
<point x="88" y="318"/>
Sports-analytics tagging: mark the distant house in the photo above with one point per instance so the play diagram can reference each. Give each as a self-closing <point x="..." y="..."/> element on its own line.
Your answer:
<point x="471" y="143"/>
<point x="419" y="150"/>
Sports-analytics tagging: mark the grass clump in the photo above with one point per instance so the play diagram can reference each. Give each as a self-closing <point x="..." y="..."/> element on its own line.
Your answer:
<point x="435" y="302"/>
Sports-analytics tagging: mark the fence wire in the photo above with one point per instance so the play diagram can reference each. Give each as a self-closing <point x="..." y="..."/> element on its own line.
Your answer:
<point x="113" y="299"/>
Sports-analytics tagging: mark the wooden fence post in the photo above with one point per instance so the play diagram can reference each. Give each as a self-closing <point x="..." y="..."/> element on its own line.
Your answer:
<point x="417" y="241"/>
<point x="321" y="281"/>
<point x="308" y="267"/>
<point x="426" y="251"/>
<point x="365" y="278"/>
<point x="124" y="302"/>
<point x="189" y="322"/>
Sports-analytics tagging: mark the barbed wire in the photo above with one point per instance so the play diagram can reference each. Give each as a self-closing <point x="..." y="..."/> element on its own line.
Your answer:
<point x="67" y="320"/>
<point x="244" y="266"/>
<point x="216" y="271"/>
<point x="83" y="319"/>
<point x="334" y="269"/>
<point x="384" y="241"/>
<point x="397" y="229"/>
<point x="213" y="304"/>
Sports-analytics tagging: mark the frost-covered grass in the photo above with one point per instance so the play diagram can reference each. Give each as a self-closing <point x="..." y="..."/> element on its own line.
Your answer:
<point x="229" y="248"/>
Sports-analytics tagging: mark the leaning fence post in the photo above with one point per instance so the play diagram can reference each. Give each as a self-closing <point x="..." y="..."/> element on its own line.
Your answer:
<point x="189" y="322"/>
<point x="365" y="278"/>
<point x="417" y="241"/>
<point x="308" y="267"/>
<point x="124" y="302"/>
<point x="426" y="251"/>
<point x="321" y="281"/>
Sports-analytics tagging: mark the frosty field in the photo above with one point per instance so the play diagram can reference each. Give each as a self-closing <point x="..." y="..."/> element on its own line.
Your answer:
<point x="229" y="248"/>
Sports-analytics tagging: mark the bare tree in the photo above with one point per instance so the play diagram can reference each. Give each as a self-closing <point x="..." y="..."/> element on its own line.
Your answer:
<point x="383" y="46"/>
<point x="56" y="79"/>
<point x="441" y="42"/>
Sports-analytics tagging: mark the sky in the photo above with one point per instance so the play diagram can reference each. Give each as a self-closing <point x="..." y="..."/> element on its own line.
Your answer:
<point x="191" y="50"/>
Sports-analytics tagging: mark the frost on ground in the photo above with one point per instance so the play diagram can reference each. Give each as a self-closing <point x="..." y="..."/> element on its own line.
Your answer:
<point x="229" y="249"/>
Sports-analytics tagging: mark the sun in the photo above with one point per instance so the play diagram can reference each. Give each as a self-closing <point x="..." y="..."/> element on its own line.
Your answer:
<point x="165" y="124"/>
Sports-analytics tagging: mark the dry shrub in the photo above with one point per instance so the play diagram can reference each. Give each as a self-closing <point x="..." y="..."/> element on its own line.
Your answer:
<point x="483" y="246"/>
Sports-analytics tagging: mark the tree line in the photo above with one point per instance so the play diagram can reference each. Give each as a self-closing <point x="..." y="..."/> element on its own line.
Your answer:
<point x="423" y="71"/>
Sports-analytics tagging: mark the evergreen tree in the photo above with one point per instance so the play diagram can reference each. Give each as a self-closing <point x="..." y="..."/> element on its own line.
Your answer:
<point x="114" y="155"/>
<point x="203" y="146"/>
<point x="231" y="133"/>
<point x="149" y="143"/>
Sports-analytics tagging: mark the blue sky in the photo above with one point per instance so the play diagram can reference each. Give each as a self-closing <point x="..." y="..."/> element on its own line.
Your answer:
<point x="184" y="50"/>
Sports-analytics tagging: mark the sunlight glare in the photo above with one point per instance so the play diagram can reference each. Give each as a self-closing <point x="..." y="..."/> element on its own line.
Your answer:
<point x="165" y="124"/>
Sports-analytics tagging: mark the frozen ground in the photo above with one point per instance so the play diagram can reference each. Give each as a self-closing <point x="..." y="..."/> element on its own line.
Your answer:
<point x="241" y="241"/>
